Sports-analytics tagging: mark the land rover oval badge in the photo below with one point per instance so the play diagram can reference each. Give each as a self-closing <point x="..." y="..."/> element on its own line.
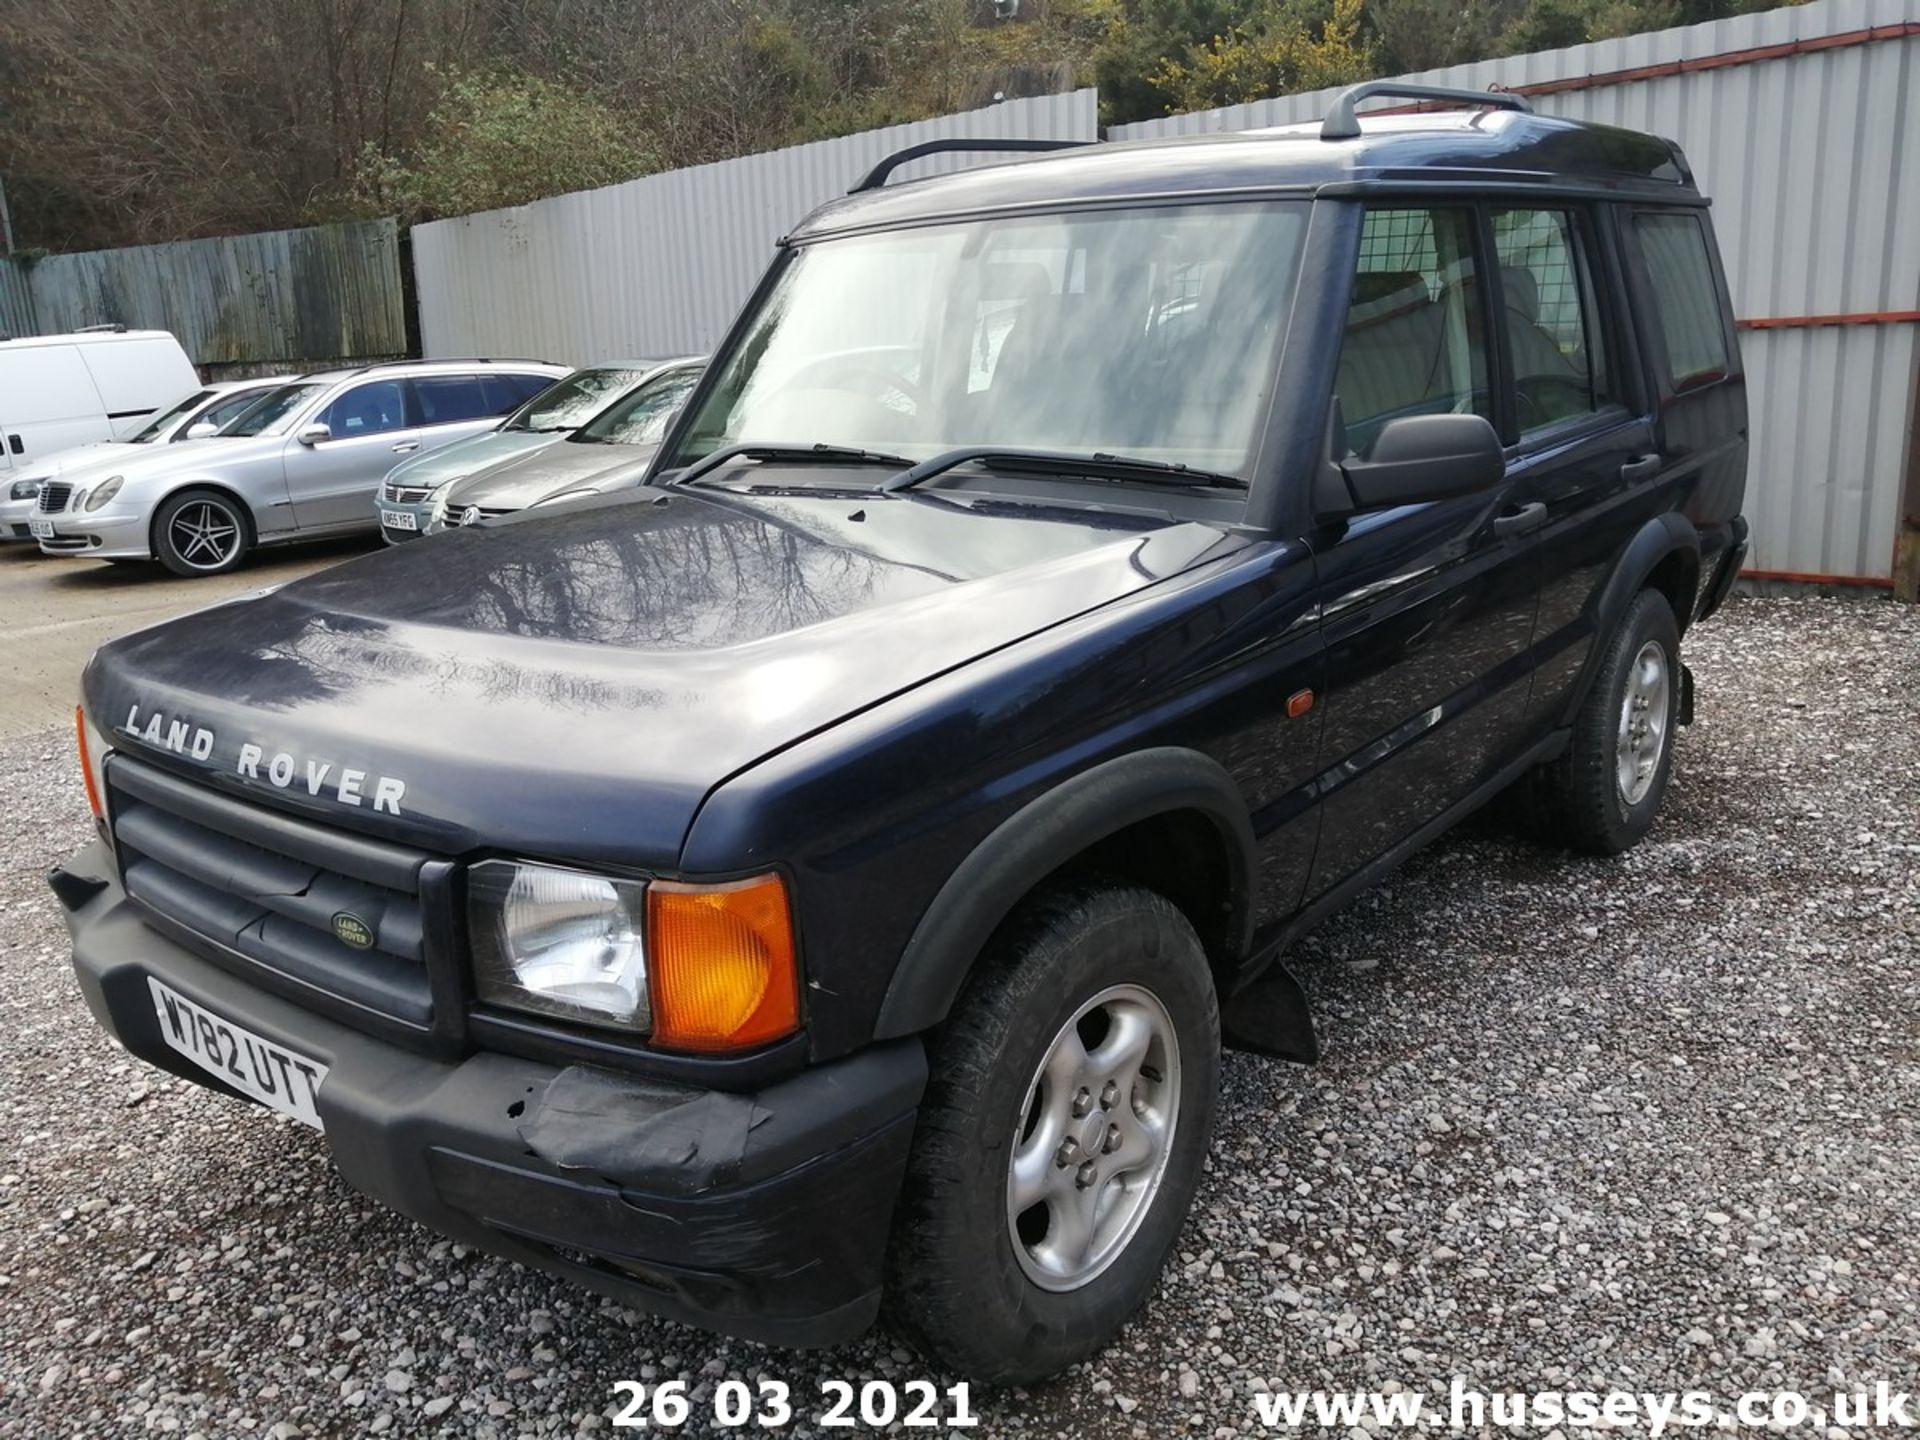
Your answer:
<point x="351" y="930"/>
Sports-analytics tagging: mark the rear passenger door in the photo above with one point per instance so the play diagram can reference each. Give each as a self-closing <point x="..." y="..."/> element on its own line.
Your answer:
<point x="1427" y="610"/>
<point x="452" y="407"/>
<point x="1580" y="447"/>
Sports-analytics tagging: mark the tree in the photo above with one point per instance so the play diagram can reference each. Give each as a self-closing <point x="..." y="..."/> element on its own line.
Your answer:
<point x="499" y="139"/>
<point x="1270" y="56"/>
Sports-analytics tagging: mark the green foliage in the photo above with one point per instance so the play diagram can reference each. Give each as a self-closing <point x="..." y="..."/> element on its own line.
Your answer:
<point x="500" y="139"/>
<point x="126" y="121"/>
<point x="1272" y="54"/>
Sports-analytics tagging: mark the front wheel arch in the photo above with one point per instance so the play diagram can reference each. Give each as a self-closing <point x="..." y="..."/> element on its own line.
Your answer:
<point x="1085" y="822"/>
<point x="249" y="521"/>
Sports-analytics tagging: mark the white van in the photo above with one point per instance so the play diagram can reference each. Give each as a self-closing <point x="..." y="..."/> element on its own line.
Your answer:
<point x="58" y="391"/>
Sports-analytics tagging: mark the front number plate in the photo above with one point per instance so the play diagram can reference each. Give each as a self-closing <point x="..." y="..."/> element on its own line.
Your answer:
<point x="399" y="520"/>
<point x="269" y="1073"/>
<point x="40" y="529"/>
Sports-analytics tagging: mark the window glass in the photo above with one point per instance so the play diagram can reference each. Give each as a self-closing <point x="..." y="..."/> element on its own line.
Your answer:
<point x="221" y="411"/>
<point x="642" y="417"/>
<point x="151" y="430"/>
<point x="448" y="399"/>
<point x="367" y="410"/>
<point x="567" y="404"/>
<point x="1415" y="344"/>
<point x="1149" y="332"/>
<point x="1552" y="321"/>
<point x="1686" y="303"/>
<point x="275" y="412"/>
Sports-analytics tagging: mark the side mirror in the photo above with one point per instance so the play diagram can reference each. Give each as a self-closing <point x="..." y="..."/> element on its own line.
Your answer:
<point x="314" y="434"/>
<point x="201" y="429"/>
<point x="1426" y="457"/>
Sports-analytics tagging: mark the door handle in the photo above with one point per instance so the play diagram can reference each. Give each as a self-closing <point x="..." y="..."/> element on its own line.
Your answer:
<point x="1641" y="466"/>
<point x="406" y="445"/>
<point x="1530" y="516"/>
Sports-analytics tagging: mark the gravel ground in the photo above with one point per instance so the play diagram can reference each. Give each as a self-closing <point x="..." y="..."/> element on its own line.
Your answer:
<point x="1647" y="1124"/>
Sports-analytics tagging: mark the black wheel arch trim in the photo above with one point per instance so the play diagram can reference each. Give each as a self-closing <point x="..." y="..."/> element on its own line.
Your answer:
<point x="1046" y="833"/>
<point x="1666" y="534"/>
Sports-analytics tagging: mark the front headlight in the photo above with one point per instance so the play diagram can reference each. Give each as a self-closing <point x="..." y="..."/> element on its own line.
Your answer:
<point x="560" y="942"/>
<point x="698" y="967"/>
<point x="24" y="489"/>
<point x="105" y="493"/>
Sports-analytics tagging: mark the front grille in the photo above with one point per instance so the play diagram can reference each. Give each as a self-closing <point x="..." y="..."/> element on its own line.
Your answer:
<point x="264" y="893"/>
<point x="54" y="496"/>
<point x="407" y="494"/>
<point x="457" y="518"/>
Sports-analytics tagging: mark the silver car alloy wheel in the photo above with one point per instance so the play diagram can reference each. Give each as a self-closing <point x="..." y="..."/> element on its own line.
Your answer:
<point x="1093" y="1137"/>
<point x="1645" y="708"/>
<point x="205" y="534"/>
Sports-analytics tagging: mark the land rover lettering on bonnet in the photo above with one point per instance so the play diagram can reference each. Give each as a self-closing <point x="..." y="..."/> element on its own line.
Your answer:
<point x="833" y="867"/>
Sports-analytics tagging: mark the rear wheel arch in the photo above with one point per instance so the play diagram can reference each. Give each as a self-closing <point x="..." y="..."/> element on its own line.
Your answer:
<point x="1168" y="819"/>
<point x="1663" y="555"/>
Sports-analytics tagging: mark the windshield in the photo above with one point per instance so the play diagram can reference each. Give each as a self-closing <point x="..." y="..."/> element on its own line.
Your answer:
<point x="642" y="417"/>
<point x="1150" y="332"/>
<point x="166" y="417"/>
<point x="274" y="412"/>
<point x="567" y="404"/>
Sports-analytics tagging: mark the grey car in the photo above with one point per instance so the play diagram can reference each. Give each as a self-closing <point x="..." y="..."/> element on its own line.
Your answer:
<point x="303" y="462"/>
<point x="408" y="494"/>
<point x="610" y="452"/>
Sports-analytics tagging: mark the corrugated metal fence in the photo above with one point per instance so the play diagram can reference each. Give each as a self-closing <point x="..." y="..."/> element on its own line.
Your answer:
<point x="273" y="299"/>
<point x="1803" y="125"/>
<point x="659" y="265"/>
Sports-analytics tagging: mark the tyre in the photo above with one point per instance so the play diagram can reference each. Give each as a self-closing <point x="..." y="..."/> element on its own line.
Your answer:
<point x="1601" y="795"/>
<point x="201" y="532"/>
<point x="1068" y="1108"/>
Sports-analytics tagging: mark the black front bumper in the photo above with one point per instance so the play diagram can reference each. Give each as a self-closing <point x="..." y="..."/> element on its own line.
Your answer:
<point x="763" y="1215"/>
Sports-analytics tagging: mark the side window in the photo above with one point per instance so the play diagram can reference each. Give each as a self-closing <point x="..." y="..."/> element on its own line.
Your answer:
<point x="449" y="399"/>
<point x="1552" y="318"/>
<point x="219" y="414"/>
<point x="510" y="392"/>
<point x="367" y="410"/>
<point x="1415" y="341"/>
<point x="1685" y="300"/>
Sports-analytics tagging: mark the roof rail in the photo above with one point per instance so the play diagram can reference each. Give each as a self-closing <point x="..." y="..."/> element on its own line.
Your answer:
<point x="112" y="327"/>
<point x="1342" y="124"/>
<point x="877" y="176"/>
<point x="448" y="360"/>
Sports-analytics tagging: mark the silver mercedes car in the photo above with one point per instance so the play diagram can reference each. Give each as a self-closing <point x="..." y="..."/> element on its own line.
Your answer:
<point x="302" y="462"/>
<point x="200" y="414"/>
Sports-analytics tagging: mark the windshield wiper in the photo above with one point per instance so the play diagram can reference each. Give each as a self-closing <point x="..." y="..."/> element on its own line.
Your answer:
<point x="1099" y="465"/>
<point x="788" y="454"/>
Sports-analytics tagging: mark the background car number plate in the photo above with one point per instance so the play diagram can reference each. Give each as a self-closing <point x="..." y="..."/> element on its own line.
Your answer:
<point x="269" y="1073"/>
<point x="40" y="529"/>
<point x="399" y="520"/>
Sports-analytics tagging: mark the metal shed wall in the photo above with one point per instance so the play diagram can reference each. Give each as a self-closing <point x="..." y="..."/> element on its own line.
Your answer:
<point x="660" y="265"/>
<point x="1803" y="125"/>
<point x="328" y="292"/>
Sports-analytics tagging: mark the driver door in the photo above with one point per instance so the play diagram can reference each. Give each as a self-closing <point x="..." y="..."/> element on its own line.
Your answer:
<point x="333" y="482"/>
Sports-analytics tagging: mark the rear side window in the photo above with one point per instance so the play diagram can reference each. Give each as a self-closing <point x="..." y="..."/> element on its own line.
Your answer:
<point x="1685" y="300"/>
<point x="448" y="399"/>
<point x="1551" y="318"/>
<point x="1415" y="341"/>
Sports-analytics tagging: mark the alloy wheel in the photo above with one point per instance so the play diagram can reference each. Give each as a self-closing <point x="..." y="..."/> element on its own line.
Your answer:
<point x="1093" y="1138"/>
<point x="1645" y="707"/>
<point x="204" y="534"/>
